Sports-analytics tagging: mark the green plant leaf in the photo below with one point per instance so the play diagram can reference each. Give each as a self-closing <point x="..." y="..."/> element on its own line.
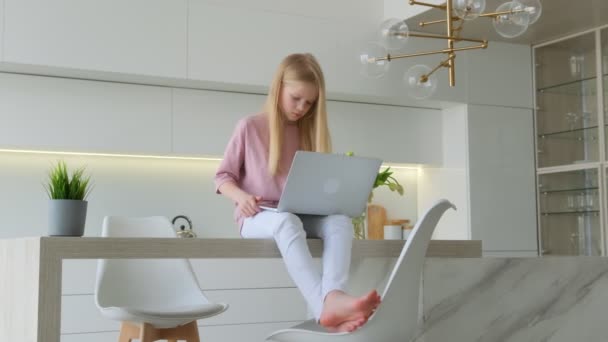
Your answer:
<point x="61" y="186"/>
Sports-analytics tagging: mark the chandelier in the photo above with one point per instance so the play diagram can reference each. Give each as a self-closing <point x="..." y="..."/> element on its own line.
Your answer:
<point x="510" y="20"/>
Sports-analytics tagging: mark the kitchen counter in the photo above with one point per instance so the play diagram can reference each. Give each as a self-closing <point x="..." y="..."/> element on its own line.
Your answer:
<point x="31" y="269"/>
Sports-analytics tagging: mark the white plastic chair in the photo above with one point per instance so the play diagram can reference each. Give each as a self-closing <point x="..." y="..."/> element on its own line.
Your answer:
<point x="396" y="319"/>
<point x="153" y="298"/>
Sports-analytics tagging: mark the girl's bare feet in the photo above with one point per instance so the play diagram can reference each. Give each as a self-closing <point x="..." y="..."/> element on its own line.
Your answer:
<point x="348" y="326"/>
<point x="343" y="311"/>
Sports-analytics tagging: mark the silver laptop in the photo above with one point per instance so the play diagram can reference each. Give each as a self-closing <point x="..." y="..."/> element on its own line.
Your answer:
<point x="327" y="184"/>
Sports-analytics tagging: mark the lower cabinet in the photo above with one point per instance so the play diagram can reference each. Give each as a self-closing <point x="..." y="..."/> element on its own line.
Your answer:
<point x="570" y="220"/>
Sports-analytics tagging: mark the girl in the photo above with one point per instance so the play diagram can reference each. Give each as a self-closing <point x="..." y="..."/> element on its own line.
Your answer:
<point x="255" y="166"/>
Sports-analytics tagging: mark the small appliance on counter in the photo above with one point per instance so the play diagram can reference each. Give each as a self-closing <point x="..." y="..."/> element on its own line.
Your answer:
<point x="182" y="232"/>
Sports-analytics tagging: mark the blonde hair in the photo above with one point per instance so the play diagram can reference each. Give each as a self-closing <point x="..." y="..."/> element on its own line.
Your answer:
<point x="314" y="133"/>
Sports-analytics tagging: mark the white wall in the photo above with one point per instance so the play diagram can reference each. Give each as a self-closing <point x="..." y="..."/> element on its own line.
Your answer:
<point x="139" y="187"/>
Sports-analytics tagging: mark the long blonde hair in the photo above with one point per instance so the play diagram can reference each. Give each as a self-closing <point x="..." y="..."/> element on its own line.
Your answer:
<point x="313" y="129"/>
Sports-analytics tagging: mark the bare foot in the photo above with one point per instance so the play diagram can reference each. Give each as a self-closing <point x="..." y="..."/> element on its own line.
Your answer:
<point x="340" y="307"/>
<point x="348" y="326"/>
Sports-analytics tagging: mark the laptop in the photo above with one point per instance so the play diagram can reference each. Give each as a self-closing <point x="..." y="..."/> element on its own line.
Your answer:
<point x="327" y="184"/>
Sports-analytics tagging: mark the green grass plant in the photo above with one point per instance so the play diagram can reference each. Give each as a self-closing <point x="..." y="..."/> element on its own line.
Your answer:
<point x="61" y="186"/>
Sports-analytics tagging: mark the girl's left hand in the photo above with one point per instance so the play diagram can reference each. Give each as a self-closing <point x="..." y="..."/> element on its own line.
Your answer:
<point x="248" y="205"/>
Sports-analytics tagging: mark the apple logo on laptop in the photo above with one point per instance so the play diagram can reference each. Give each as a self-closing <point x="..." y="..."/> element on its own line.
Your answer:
<point x="331" y="186"/>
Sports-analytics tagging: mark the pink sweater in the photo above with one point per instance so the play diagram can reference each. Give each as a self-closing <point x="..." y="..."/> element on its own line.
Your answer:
<point x="246" y="157"/>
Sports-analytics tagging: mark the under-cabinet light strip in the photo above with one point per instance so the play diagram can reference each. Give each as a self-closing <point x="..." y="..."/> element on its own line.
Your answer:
<point x="91" y="154"/>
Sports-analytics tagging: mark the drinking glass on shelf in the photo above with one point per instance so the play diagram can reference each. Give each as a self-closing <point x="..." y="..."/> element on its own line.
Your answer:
<point x="589" y="201"/>
<point x="571" y="202"/>
<point x="540" y="147"/>
<point x="572" y="120"/>
<point x="581" y="201"/>
<point x="576" y="65"/>
<point x="586" y="119"/>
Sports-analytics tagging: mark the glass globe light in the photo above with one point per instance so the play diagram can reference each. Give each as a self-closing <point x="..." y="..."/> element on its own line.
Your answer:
<point x="394" y="33"/>
<point x="420" y="86"/>
<point x="369" y="63"/>
<point x="534" y="9"/>
<point x="468" y="9"/>
<point x="511" y="25"/>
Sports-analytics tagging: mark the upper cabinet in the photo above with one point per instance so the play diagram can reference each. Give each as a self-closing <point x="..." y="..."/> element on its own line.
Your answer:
<point x="566" y="101"/>
<point x="604" y="53"/>
<point x="145" y="37"/>
<point x="244" y="45"/>
<point x="392" y="133"/>
<point x="46" y="113"/>
<point x="499" y="75"/>
<point x="570" y="142"/>
<point x="1" y="29"/>
<point x="203" y="121"/>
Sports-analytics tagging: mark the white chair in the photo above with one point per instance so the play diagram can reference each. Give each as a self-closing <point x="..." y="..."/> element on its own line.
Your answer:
<point x="153" y="298"/>
<point x="396" y="319"/>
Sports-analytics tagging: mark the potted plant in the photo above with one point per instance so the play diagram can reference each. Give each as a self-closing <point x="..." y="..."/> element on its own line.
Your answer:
<point x="67" y="205"/>
<point x="384" y="178"/>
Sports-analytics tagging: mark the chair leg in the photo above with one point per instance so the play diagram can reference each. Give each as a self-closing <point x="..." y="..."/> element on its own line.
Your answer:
<point x="145" y="332"/>
<point x="187" y="332"/>
<point x="148" y="333"/>
<point x="128" y="332"/>
<point x="191" y="332"/>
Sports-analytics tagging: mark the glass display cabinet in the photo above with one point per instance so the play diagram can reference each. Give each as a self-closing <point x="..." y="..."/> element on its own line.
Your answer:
<point x="570" y="82"/>
<point x="569" y="213"/>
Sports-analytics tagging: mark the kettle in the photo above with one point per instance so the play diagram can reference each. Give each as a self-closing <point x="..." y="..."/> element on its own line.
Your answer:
<point x="183" y="232"/>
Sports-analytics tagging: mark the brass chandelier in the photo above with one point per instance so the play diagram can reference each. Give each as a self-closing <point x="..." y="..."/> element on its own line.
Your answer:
<point x="510" y="20"/>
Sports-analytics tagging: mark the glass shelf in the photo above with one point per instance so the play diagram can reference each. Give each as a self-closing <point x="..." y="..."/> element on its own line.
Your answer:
<point x="585" y="86"/>
<point x="575" y="134"/>
<point x="582" y="212"/>
<point x="548" y="192"/>
<point x="568" y="133"/>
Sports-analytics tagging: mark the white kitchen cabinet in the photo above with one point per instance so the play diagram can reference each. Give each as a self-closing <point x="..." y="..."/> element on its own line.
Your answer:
<point x="571" y="117"/>
<point x="203" y="121"/>
<point x="245" y="44"/>
<point x="45" y="113"/>
<point x="498" y="76"/>
<point x="393" y="133"/>
<point x="501" y="178"/>
<point x="136" y="36"/>
<point x="1" y="30"/>
<point x="221" y="47"/>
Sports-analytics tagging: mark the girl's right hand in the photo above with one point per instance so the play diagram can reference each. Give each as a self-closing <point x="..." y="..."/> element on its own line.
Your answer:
<point x="248" y="204"/>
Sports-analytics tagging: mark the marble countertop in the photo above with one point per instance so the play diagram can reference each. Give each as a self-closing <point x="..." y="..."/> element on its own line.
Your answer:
<point x="549" y="299"/>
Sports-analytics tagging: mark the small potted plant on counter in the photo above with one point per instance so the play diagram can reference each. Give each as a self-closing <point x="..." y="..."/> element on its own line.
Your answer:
<point x="67" y="205"/>
<point x="384" y="178"/>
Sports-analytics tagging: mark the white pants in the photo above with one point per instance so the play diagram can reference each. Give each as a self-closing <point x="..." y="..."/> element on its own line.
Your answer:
<point x="290" y="232"/>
